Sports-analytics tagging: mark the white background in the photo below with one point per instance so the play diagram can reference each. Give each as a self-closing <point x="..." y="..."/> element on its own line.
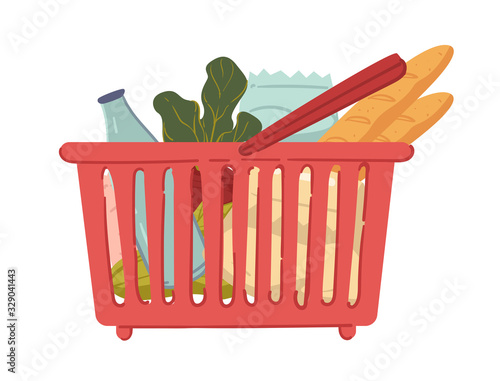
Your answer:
<point x="444" y="214"/>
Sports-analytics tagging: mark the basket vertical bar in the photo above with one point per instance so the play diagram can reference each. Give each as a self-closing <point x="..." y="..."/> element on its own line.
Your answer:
<point x="183" y="235"/>
<point x="94" y="216"/>
<point x="346" y="218"/>
<point x="240" y="223"/>
<point x="211" y="184"/>
<point x="317" y="231"/>
<point x="264" y="234"/>
<point x="123" y="177"/>
<point x="155" y="209"/>
<point x="290" y="212"/>
<point x="376" y="215"/>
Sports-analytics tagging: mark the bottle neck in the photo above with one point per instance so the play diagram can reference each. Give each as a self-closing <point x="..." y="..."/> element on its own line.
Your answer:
<point x="122" y="125"/>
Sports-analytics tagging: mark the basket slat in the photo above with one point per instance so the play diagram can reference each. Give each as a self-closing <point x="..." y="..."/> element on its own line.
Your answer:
<point x="317" y="232"/>
<point x="124" y="185"/>
<point x="183" y="235"/>
<point x="211" y="183"/>
<point x="290" y="213"/>
<point x="376" y="214"/>
<point x="264" y="234"/>
<point x="346" y="217"/>
<point x="97" y="240"/>
<point x="155" y="207"/>
<point x="240" y="221"/>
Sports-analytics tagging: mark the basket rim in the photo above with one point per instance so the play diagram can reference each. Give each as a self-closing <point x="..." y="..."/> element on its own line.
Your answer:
<point x="180" y="152"/>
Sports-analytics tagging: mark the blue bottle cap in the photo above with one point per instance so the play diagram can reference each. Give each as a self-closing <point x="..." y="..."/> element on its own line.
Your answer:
<point x="113" y="96"/>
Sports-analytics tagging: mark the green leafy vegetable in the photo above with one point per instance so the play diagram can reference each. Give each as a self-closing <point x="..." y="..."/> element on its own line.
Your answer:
<point x="244" y="130"/>
<point x="143" y="282"/>
<point x="182" y="123"/>
<point x="184" y="118"/>
<point x="223" y="89"/>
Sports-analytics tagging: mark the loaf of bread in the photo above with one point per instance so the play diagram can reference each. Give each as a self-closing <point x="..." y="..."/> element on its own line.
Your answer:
<point x="417" y="119"/>
<point x="302" y="237"/>
<point x="368" y="118"/>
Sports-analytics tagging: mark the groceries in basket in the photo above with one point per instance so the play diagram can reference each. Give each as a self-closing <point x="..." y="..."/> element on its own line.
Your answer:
<point x="394" y="113"/>
<point x="181" y="123"/>
<point x="271" y="97"/>
<point x="122" y="125"/>
<point x="143" y="282"/>
<point x="302" y="237"/>
<point x="175" y="111"/>
<point x="220" y="95"/>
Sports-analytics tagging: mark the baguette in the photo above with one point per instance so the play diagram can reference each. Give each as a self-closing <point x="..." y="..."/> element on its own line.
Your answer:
<point x="417" y="119"/>
<point x="368" y="118"/>
<point x="302" y="239"/>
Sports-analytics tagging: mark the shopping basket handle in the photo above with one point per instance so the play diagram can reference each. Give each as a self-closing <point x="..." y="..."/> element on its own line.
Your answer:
<point x="359" y="86"/>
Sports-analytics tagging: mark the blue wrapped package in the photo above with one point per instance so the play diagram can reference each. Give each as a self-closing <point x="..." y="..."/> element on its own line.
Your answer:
<point x="270" y="97"/>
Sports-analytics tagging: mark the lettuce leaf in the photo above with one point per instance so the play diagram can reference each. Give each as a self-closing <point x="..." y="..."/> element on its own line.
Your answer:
<point x="224" y="88"/>
<point x="222" y="91"/>
<point x="246" y="127"/>
<point x="181" y="118"/>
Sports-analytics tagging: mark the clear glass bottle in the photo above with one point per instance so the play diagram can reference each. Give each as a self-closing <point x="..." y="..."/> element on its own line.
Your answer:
<point x="122" y="125"/>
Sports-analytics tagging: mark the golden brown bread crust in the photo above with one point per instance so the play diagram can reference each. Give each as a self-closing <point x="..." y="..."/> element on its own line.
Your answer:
<point x="417" y="119"/>
<point x="370" y="116"/>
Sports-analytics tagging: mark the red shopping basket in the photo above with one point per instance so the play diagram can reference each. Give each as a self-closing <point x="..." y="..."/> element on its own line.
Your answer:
<point x="123" y="160"/>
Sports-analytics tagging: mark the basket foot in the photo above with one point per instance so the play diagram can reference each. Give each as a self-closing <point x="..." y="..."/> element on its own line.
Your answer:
<point x="124" y="333"/>
<point x="347" y="332"/>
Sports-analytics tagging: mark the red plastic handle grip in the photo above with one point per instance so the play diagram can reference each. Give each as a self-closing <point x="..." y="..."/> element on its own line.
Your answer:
<point x="360" y="85"/>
